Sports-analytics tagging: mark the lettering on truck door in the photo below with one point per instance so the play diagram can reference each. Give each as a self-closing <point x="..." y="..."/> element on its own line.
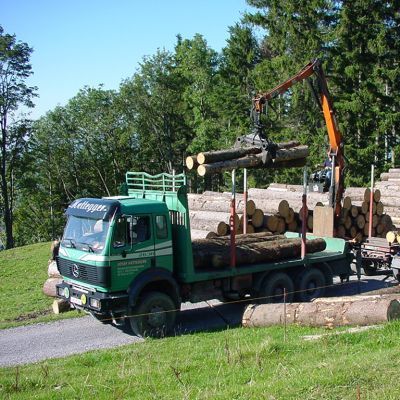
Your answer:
<point x="132" y="248"/>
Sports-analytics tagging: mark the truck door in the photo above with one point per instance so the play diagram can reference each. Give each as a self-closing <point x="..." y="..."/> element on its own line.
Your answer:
<point x="163" y="242"/>
<point x="132" y="249"/>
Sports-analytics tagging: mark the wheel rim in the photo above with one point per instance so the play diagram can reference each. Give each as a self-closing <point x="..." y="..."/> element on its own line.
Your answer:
<point x="156" y="317"/>
<point x="312" y="287"/>
<point x="278" y="294"/>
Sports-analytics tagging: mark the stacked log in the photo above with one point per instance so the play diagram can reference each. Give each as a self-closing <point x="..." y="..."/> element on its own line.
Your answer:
<point x="263" y="213"/>
<point x="390" y="191"/>
<point x="393" y="237"/>
<point x="212" y="221"/>
<point x="250" y="250"/>
<point x="288" y="155"/>
<point x="54" y="278"/>
<point x="354" y="220"/>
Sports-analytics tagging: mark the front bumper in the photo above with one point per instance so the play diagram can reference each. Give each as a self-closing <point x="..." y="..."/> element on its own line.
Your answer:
<point x="87" y="299"/>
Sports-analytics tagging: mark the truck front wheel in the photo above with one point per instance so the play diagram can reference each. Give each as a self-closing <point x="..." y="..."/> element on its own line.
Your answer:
<point x="154" y="315"/>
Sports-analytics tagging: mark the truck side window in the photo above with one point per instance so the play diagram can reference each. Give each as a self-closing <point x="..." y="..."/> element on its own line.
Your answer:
<point x="121" y="232"/>
<point x="140" y="227"/>
<point x="161" y="227"/>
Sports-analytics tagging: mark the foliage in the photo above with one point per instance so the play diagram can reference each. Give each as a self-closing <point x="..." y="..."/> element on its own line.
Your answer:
<point x="14" y="92"/>
<point x="193" y="99"/>
<point x="23" y="272"/>
<point x="232" y="364"/>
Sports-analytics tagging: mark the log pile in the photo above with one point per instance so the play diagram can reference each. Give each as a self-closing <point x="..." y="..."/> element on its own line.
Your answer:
<point x="250" y="249"/>
<point x="278" y="209"/>
<point x="390" y="190"/>
<point x="355" y="217"/>
<point x="54" y="278"/>
<point x="288" y="155"/>
<point x="209" y="216"/>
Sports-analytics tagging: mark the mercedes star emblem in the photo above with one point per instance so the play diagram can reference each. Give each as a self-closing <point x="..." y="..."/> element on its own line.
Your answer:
<point x="75" y="270"/>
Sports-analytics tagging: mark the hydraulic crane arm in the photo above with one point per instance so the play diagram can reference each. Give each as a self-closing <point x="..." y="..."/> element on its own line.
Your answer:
<point x="321" y="93"/>
<point x="322" y="96"/>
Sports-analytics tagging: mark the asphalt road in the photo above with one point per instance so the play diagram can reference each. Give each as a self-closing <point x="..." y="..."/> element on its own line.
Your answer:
<point x="32" y="343"/>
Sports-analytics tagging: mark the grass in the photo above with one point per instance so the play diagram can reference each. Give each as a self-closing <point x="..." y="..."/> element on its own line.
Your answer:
<point x="232" y="364"/>
<point x="23" y="271"/>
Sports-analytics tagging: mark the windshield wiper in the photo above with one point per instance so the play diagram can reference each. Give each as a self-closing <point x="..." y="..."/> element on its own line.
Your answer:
<point x="71" y="241"/>
<point x="88" y="245"/>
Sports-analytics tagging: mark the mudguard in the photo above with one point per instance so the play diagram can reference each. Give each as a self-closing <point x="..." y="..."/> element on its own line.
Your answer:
<point x="159" y="279"/>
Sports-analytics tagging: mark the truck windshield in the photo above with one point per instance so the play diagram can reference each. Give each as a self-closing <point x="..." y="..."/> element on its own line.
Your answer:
<point x="85" y="233"/>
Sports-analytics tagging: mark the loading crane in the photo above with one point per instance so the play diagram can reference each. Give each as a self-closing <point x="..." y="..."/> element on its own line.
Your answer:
<point x="321" y="94"/>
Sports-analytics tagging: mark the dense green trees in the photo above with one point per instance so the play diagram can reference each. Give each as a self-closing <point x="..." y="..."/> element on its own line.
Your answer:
<point x="193" y="98"/>
<point x="14" y="92"/>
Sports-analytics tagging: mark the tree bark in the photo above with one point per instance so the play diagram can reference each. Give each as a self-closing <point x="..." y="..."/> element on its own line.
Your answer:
<point x="49" y="287"/>
<point x="217" y="222"/>
<point x="285" y="158"/>
<point x="227" y="154"/>
<point x="254" y="253"/>
<point x="323" y="313"/>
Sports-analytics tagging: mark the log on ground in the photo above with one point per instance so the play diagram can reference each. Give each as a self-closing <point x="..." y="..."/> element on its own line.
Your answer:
<point x="323" y="313"/>
<point x="60" y="306"/>
<point x="49" y="287"/>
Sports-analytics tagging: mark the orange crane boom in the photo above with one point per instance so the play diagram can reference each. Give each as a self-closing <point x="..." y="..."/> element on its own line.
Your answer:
<point x="324" y="101"/>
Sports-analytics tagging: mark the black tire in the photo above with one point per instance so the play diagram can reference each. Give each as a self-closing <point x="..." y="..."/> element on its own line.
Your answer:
<point x="310" y="284"/>
<point x="369" y="269"/>
<point x="272" y="288"/>
<point x="155" y="317"/>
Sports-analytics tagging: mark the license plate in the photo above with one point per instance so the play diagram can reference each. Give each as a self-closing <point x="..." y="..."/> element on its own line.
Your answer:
<point x="76" y="301"/>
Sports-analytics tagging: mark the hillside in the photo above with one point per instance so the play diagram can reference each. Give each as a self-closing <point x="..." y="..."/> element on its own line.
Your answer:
<point x="23" y="271"/>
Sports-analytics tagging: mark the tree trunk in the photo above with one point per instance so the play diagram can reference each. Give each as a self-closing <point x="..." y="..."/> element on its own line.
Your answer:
<point x="285" y="158"/>
<point x="323" y="313"/>
<point x="254" y="253"/>
<point x="7" y="212"/>
<point x="49" y="287"/>
<point x="211" y="221"/>
<point x="191" y="162"/>
<point x="60" y="306"/>
<point x="227" y="154"/>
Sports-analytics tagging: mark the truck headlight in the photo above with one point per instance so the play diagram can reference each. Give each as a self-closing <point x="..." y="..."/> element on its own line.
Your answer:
<point x="95" y="303"/>
<point x="66" y="293"/>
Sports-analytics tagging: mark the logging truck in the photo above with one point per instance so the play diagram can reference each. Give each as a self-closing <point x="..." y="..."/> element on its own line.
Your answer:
<point x="131" y="258"/>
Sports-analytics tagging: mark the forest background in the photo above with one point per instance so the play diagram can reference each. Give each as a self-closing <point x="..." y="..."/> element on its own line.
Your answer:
<point x="196" y="99"/>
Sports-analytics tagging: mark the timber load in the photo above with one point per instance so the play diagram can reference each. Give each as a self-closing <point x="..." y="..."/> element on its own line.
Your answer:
<point x="278" y="209"/>
<point x="288" y="155"/>
<point x="250" y="250"/>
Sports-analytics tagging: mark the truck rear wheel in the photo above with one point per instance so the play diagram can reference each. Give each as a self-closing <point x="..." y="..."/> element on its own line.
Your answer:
<point x="153" y="315"/>
<point x="310" y="284"/>
<point x="273" y="288"/>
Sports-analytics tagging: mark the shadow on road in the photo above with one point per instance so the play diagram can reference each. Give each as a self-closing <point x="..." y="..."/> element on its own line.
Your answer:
<point x="214" y="316"/>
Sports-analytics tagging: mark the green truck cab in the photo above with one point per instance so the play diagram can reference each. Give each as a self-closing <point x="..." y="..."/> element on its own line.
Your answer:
<point x="129" y="257"/>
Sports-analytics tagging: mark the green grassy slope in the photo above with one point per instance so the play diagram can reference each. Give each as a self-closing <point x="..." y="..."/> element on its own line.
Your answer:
<point x="23" y="271"/>
<point x="233" y="364"/>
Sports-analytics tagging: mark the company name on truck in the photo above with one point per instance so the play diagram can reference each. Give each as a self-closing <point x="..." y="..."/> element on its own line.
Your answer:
<point x="89" y="207"/>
